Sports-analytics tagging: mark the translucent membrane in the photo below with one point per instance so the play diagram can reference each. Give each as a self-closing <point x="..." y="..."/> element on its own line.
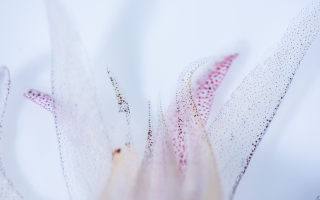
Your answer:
<point x="7" y="191"/>
<point x="196" y="160"/>
<point x="123" y="105"/>
<point x="120" y="184"/>
<point x="204" y="94"/>
<point x="41" y="99"/>
<point x="241" y="124"/>
<point x="123" y="174"/>
<point x="143" y="181"/>
<point x="158" y="177"/>
<point x="82" y="135"/>
<point x="202" y="99"/>
<point x="182" y="159"/>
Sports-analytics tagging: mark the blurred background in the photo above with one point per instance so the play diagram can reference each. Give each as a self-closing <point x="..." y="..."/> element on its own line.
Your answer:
<point x="147" y="44"/>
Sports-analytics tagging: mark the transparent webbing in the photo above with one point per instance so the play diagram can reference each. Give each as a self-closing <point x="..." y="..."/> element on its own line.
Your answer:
<point x="82" y="135"/>
<point x="7" y="190"/>
<point x="239" y="127"/>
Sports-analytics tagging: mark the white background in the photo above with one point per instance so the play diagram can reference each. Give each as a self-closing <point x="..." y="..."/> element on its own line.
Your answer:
<point x="147" y="44"/>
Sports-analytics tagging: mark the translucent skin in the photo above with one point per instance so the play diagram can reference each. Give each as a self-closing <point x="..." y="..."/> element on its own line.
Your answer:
<point x="42" y="99"/>
<point x="122" y="176"/>
<point x="208" y="84"/>
<point x="7" y="190"/>
<point x="209" y="163"/>
<point x="129" y="181"/>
